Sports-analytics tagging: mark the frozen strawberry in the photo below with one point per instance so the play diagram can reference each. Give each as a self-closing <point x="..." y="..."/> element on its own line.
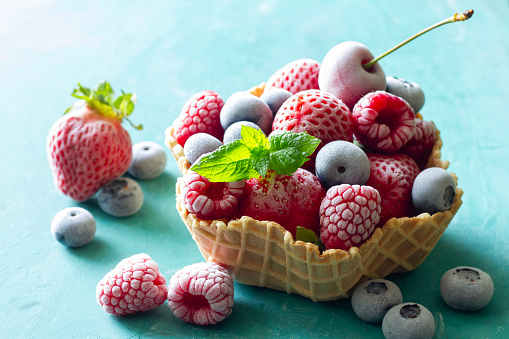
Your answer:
<point x="297" y="76"/>
<point x="348" y="215"/>
<point x="88" y="147"/>
<point x="383" y="122"/>
<point x="210" y="200"/>
<point x="319" y="114"/>
<point x="393" y="175"/>
<point x="200" y="114"/>
<point x="420" y="146"/>
<point x="290" y="200"/>
<point x="134" y="285"/>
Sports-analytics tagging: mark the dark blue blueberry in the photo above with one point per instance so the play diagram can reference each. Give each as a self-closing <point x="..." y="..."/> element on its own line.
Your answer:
<point x="466" y="288"/>
<point x="433" y="191"/>
<point x="274" y="97"/>
<point x="373" y="298"/>
<point x="148" y="161"/>
<point x="73" y="226"/>
<point x="199" y="144"/>
<point x="244" y="106"/>
<point x="409" y="91"/>
<point x="408" y="321"/>
<point x="121" y="197"/>
<point x="233" y="132"/>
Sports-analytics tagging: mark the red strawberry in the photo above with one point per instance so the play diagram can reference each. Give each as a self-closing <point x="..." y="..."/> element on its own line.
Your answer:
<point x="420" y="146"/>
<point x="348" y="215"/>
<point x="393" y="175"/>
<point x="383" y="122"/>
<point x="297" y="76"/>
<point x="319" y="114"/>
<point x="88" y="147"/>
<point x="200" y="114"/>
<point x="290" y="200"/>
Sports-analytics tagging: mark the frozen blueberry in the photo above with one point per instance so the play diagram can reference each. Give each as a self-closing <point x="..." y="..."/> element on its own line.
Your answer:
<point x="433" y="191"/>
<point x="244" y="106"/>
<point x="408" y="320"/>
<point x="373" y="298"/>
<point x="148" y="161"/>
<point x="342" y="162"/>
<point x="199" y="144"/>
<point x="121" y="197"/>
<point x="73" y="226"/>
<point x="274" y="97"/>
<point x="466" y="288"/>
<point x="409" y="91"/>
<point x="233" y="132"/>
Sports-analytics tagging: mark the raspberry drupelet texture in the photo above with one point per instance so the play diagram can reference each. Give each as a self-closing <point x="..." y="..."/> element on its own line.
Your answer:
<point x="201" y="293"/>
<point x="383" y="122"/>
<point x="299" y="75"/>
<point x="134" y="285"/>
<point x="200" y="114"/>
<point x="348" y="215"/>
<point x="210" y="200"/>
<point x="420" y="146"/>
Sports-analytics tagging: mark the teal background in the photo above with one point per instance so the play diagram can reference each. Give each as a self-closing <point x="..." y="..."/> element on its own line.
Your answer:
<point x="166" y="51"/>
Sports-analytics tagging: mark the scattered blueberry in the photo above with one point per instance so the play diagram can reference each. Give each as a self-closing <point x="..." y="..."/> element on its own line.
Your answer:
<point x="433" y="191"/>
<point x="199" y="144"/>
<point x="342" y="162"/>
<point x="274" y="97"/>
<point x="233" y="132"/>
<point x="148" y="161"/>
<point x="466" y="288"/>
<point x="244" y="106"/>
<point x="73" y="226"/>
<point x="409" y="91"/>
<point x="408" y="320"/>
<point x="121" y="197"/>
<point x="373" y="298"/>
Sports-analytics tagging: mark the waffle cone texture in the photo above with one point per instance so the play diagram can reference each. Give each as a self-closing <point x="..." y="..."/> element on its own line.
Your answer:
<point x="263" y="253"/>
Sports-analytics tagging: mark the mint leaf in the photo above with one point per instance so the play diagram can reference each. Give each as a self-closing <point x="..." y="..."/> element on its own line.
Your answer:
<point x="254" y="138"/>
<point x="286" y="161"/>
<point x="259" y="160"/>
<point x="303" y="142"/>
<point x="306" y="235"/>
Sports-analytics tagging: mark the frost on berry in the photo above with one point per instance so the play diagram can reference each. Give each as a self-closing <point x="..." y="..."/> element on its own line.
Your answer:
<point x="210" y="200"/>
<point x="201" y="293"/>
<point x="134" y="285"/>
<point x="297" y="76"/>
<point x="200" y="114"/>
<point x="383" y="122"/>
<point x="420" y="146"/>
<point x="348" y="215"/>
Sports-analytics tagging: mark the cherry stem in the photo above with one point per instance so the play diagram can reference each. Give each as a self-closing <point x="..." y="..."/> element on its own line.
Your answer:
<point x="456" y="17"/>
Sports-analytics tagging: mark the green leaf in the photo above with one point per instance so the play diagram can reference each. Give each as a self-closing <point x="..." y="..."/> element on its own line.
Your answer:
<point x="286" y="161"/>
<point x="259" y="160"/>
<point x="104" y="93"/>
<point x="303" y="142"/>
<point x="306" y="235"/>
<point x="254" y="138"/>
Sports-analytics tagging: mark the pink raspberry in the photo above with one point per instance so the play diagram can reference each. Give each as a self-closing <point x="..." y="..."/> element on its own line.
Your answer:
<point x="420" y="146"/>
<point x="200" y="114"/>
<point x="348" y="215"/>
<point x="383" y="122"/>
<point x="297" y="76"/>
<point x="135" y="284"/>
<point x="210" y="200"/>
<point x="201" y="293"/>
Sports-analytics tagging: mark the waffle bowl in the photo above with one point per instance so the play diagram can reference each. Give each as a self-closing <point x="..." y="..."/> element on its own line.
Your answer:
<point x="263" y="253"/>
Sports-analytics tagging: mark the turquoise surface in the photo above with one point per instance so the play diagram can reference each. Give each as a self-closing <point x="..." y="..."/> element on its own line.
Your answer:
<point x="166" y="52"/>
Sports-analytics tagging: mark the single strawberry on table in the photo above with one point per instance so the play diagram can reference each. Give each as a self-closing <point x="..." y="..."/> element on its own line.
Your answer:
<point x="88" y="146"/>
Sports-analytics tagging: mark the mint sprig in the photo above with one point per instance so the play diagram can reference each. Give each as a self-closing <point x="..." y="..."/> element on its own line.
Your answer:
<point x="254" y="155"/>
<point x="102" y="99"/>
<point x="307" y="235"/>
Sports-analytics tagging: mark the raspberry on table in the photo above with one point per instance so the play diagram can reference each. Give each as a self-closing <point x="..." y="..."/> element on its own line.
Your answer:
<point x="201" y="293"/>
<point x="210" y="200"/>
<point x="348" y="215"/>
<point x="297" y="76"/>
<point x="135" y="284"/>
<point x="200" y="114"/>
<point x="383" y="122"/>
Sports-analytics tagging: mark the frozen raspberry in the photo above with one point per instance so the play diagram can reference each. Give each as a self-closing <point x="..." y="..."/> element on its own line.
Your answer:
<point x="383" y="122"/>
<point x="420" y="146"/>
<point x="135" y="284"/>
<point x="393" y="176"/>
<point x="290" y="200"/>
<point x="319" y="114"/>
<point x="297" y="76"/>
<point x="210" y="200"/>
<point x="200" y="114"/>
<point x="201" y="293"/>
<point x="348" y="215"/>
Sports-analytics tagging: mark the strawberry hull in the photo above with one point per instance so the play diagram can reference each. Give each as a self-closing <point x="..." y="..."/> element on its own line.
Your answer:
<point x="265" y="254"/>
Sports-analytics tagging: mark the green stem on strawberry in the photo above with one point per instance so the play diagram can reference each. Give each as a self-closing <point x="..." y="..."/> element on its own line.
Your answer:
<point x="102" y="100"/>
<point x="456" y="17"/>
